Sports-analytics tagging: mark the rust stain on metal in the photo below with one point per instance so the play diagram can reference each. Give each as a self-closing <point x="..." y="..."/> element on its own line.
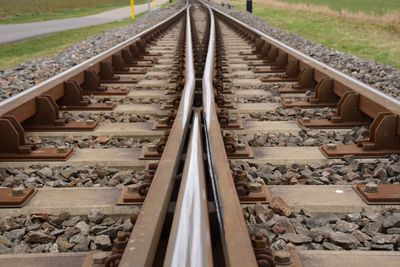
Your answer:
<point x="15" y="197"/>
<point x="385" y="194"/>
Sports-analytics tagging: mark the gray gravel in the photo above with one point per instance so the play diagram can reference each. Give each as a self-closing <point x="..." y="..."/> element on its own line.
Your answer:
<point x="110" y="117"/>
<point x="86" y="176"/>
<point x="308" y="231"/>
<point x="26" y="75"/>
<point x="269" y="87"/>
<point x="383" y="77"/>
<point x="267" y="98"/>
<point x="94" y="141"/>
<point x="351" y="171"/>
<point x="270" y="95"/>
<point x="41" y="233"/>
<point x="306" y="137"/>
<point x="130" y="100"/>
<point x="289" y="114"/>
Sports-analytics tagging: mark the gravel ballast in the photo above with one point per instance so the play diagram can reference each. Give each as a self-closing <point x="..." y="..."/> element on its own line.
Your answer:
<point x="102" y="141"/>
<point x="307" y="231"/>
<point x="85" y="176"/>
<point x="41" y="233"/>
<point x="289" y="114"/>
<point x="110" y="117"/>
<point x="350" y="171"/>
<point x="306" y="137"/>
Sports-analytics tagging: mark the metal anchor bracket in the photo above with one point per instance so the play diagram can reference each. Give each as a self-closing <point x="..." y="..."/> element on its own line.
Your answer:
<point x="47" y="118"/>
<point x="250" y="193"/>
<point x="136" y="193"/>
<point x="228" y="122"/>
<point x="291" y="74"/>
<point x="107" y="75"/>
<point x="167" y="122"/>
<point x="236" y="150"/>
<point x="14" y="147"/>
<point x="73" y="99"/>
<point x="155" y="151"/>
<point x="324" y="97"/>
<point x="384" y="139"/>
<point x="347" y="115"/>
<point x="15" y="197"/>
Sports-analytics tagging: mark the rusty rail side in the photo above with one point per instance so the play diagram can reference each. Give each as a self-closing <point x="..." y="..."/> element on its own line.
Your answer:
<point x="142" y="245"/>
<point x="189" y="241"/>
<point x="238" y="250"/>
<point x="23" y="105"/>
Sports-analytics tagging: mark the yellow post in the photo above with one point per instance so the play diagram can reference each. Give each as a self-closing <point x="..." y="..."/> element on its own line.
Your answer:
<point x="133" y="8"/>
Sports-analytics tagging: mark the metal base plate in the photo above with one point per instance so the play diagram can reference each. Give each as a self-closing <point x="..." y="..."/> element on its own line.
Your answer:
<point x="7" y="200"/>
<point x="289" y="90"/>
<point x="295" y="259"/>
<point x="257" y="70"/>
<point x="128" y="198"/>
<point x="278" y="80"/>
<point x="387" y="194"/>
<point x="42" y="154"/>
<point x="238" y="125"/>
<point x="122" y="80"/>
<point x="306" y="104"/>
<point x="343" y="150"/>
<point x="261" y="197"/>
<point x="168" y="107"/>
<point x="107" y="92"/>
<point x="228" y="106"/>
<point x="247" y="53"/>
<point x="159" y="126"/>
<point x="250" y="56"/>
<point x="226" y="71"/>
<point x="94" y="106"/>
<point x="88" y="262"/>
<point x="146" y="154"/>
<point x="260" y="64"/>
<point x="137" y="72"/>
<point x="69" y="126"/>
<point x="325" y="123"/>
<point x="246" y="153"/>
<point x="142" y="64"/>
<point x="171" y="93"/>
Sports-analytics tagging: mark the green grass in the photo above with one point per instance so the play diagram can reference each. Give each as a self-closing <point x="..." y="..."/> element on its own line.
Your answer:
<point x="378" y="42"/>
<point x="15" y="53"/>
<point x="21" y="11"/>
<point x="370" y="6"/>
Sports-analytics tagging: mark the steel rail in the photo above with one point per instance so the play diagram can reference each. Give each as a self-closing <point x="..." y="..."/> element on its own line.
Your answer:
<point x="143" y="242"/>
<point x="76" y="72"/>
<point x="237" y="247"/>
<point x="189" y="241"/>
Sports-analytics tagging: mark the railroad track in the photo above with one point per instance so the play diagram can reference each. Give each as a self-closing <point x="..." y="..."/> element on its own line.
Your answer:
<point x="180" y="147"/>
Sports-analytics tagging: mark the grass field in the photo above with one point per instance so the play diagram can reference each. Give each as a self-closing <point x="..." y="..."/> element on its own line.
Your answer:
<point x="370" y="6"/>
<point x="364" y="36"/>
<point x="20" y="11"/>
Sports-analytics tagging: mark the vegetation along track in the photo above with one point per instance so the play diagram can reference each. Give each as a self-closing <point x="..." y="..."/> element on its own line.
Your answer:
<point x="180" y="147"/>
